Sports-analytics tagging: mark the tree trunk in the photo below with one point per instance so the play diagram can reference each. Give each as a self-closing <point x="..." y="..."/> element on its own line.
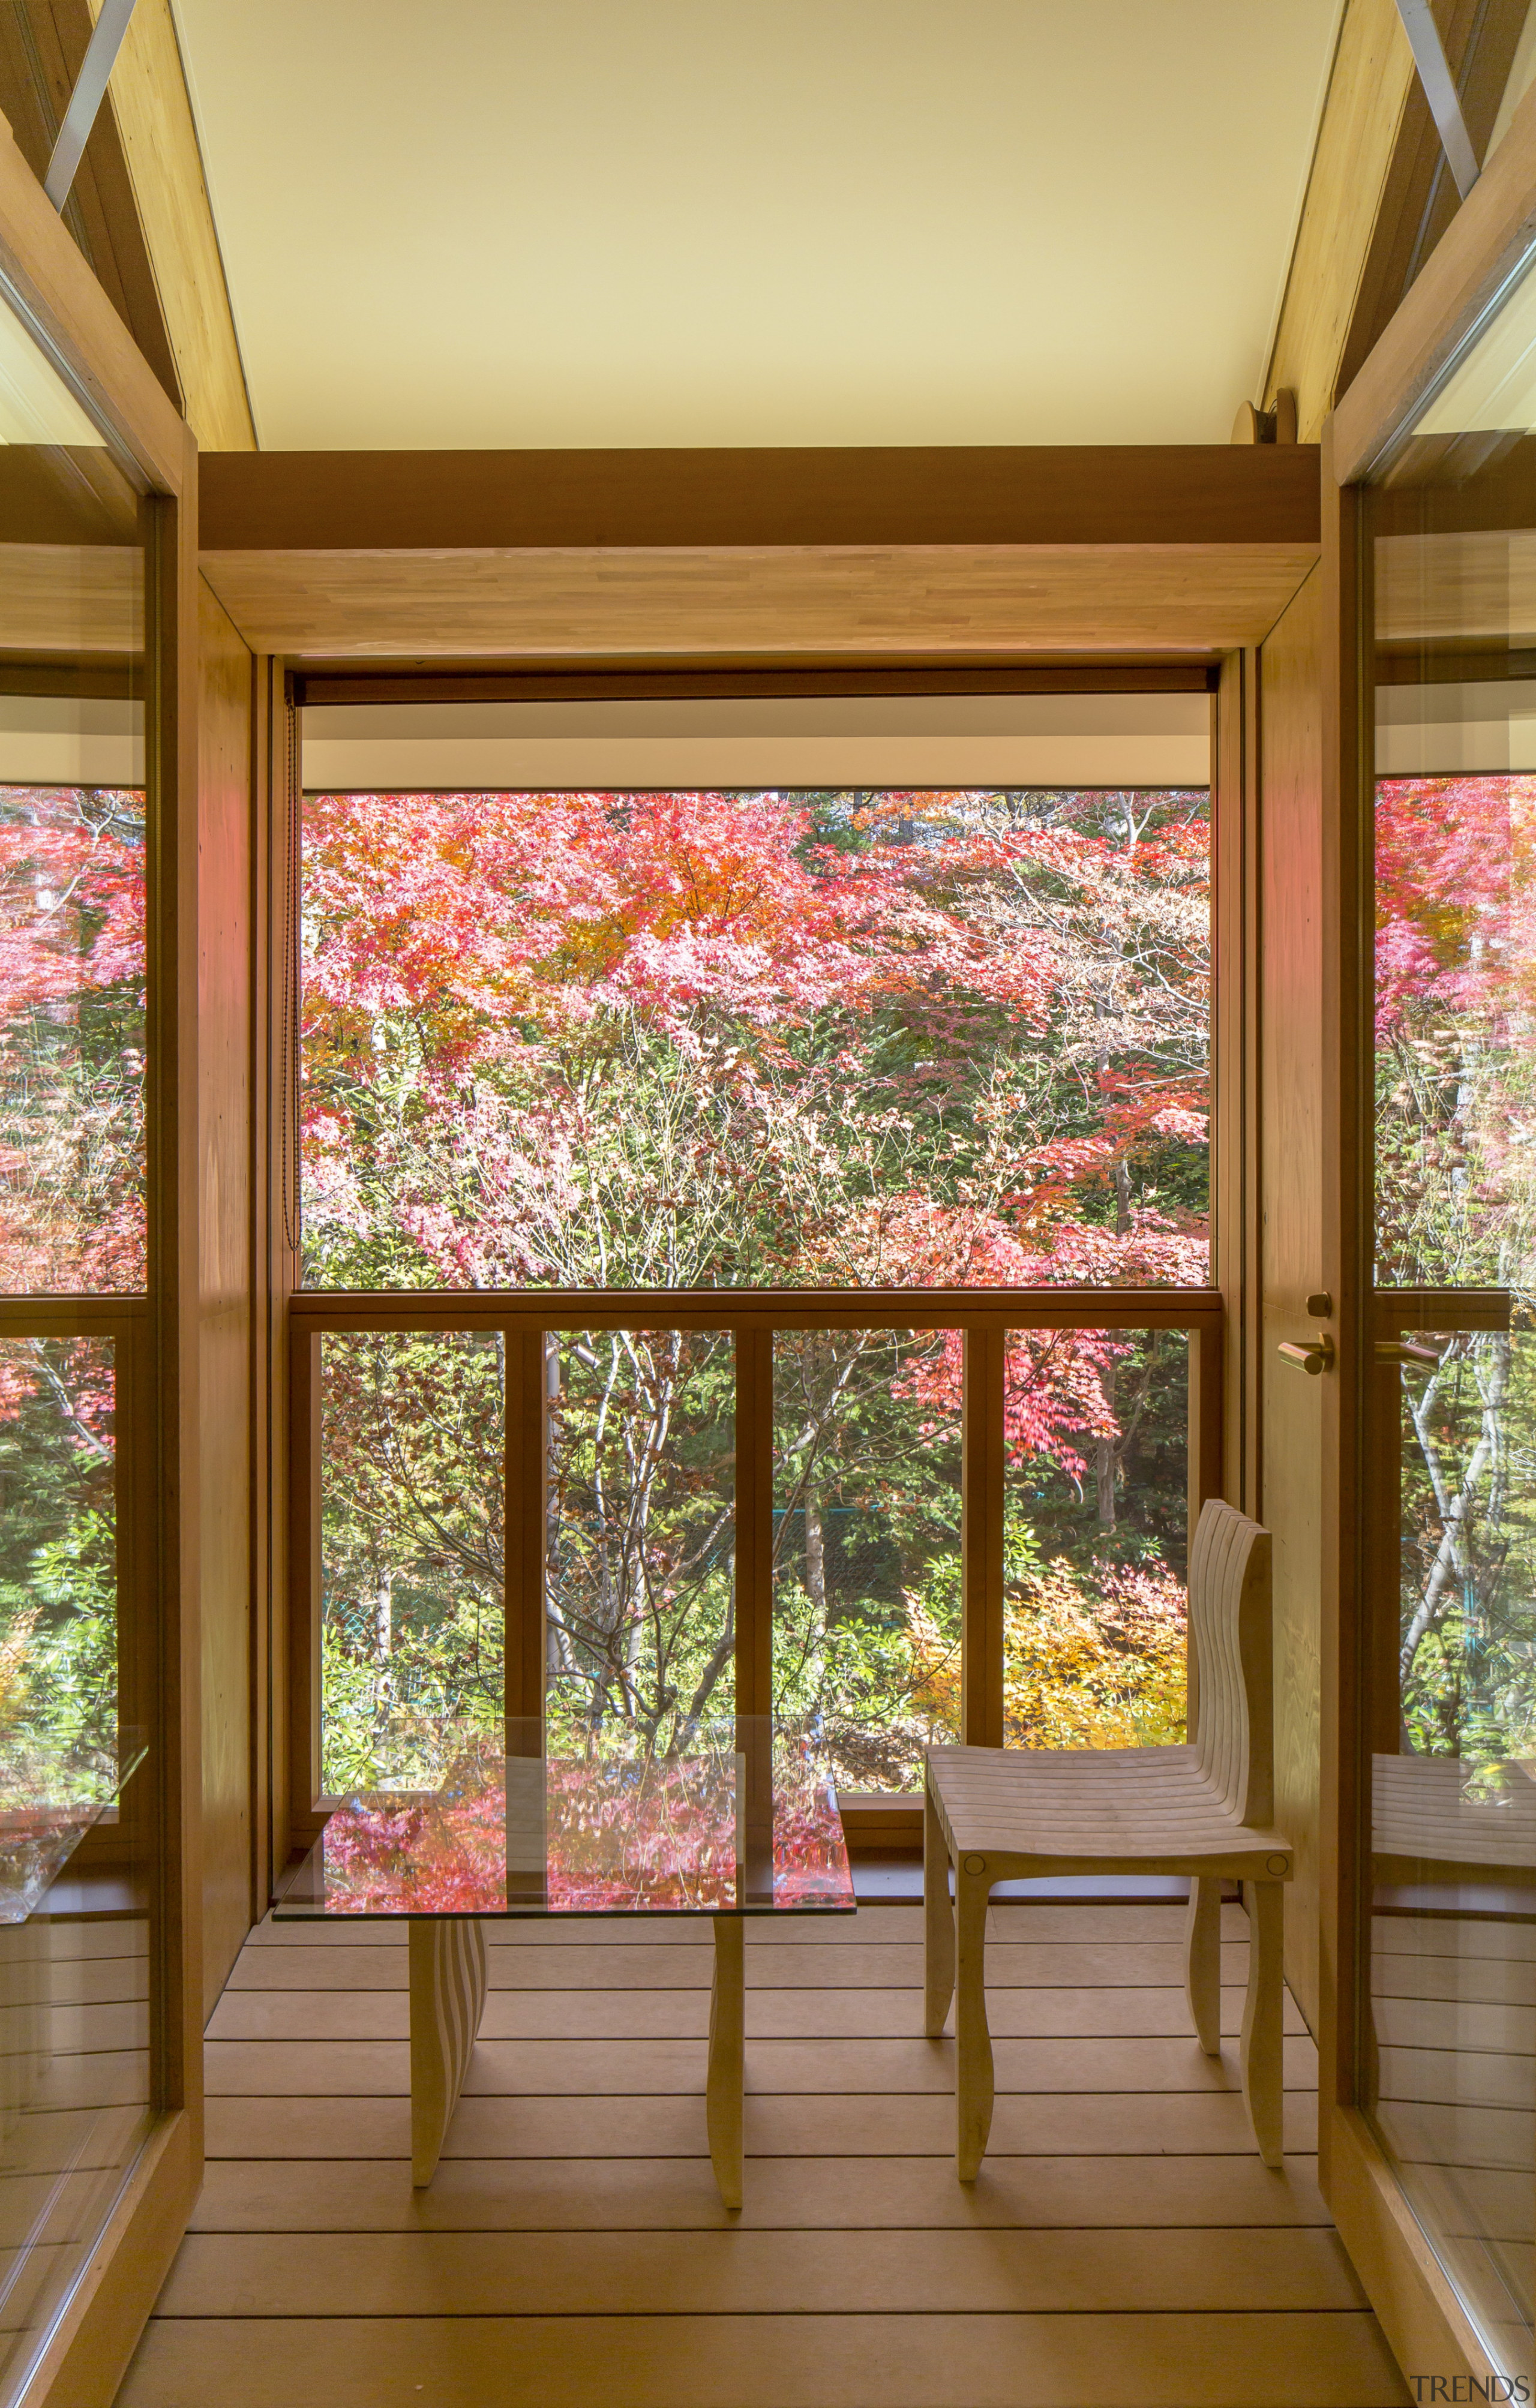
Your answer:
<point x="1106" y="1461"/>
<point x="816" y="1555"/>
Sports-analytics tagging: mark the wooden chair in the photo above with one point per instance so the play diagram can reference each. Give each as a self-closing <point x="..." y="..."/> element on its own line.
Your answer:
<point x="1204" y="1809"/>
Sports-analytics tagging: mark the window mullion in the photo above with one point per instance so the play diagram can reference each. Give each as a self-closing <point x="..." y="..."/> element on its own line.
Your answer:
<point x="981" y="1536"/>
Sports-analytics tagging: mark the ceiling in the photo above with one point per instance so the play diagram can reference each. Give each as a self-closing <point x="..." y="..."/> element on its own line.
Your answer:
<point x="579" y="222"/>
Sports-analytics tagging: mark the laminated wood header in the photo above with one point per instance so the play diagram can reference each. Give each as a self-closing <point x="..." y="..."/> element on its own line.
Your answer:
<point x="479" y="501"/>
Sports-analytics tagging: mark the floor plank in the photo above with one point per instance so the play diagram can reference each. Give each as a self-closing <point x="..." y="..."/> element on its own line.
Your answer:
<point x="587" y="2069"/>
<point x="679" y="2193"/>
<point x="779" y="2014"/>
<point x="932" y="2272"/>
<point x="1330" y="2360"/>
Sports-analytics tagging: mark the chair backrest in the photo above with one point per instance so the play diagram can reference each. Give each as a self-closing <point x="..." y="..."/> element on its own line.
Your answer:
<point x="1233" y="1667"/>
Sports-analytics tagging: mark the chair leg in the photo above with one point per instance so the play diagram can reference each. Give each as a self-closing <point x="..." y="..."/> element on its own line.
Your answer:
<point x="937" y="1924"/>
<point x="1202" y="1961"/>
<point x="1263" y="2072"/>
<point x="973" y="2051"/>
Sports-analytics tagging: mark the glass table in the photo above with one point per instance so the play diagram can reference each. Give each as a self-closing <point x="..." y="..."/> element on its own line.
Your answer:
<point x="734" y="1822"/>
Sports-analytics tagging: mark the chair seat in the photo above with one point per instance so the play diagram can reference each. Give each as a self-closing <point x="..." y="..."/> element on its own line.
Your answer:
<point x="1111" y="1809"/>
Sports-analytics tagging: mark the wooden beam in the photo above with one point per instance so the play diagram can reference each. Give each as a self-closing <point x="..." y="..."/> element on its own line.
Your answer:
<point x="791" y="605"/>
<point x="1493" y="232"/>
<point x="45" y="270"/>
<point x="1097" y="495"/>
<point x="152" y="111"/>
<point x="1369" y="91"/>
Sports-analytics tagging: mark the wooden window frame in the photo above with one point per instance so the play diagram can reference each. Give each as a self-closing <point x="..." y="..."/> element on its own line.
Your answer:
<point x="751" y="1317"/>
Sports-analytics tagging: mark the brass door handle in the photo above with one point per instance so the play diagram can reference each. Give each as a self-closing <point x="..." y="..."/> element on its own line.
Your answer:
<point x="1314" y="1358"/>
<point x="1392" y="1350"/>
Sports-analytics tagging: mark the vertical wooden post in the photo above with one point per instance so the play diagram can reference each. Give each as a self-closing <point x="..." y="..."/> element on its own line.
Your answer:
<point x="755" y="1521"/>
<point x="1206" y="1418"/>
<point x="1207" y="1463"/>
<point x="304" y="1583"/>
<point x="526" y="1439"/>
<point x="1347" y="1247"/>
<point x="1236" y="935"/>
<point x="278" y="803"/>
<point x="982" y="1535"/>
<point x="172" y="1179"/>
<point x="753" y="1610"/>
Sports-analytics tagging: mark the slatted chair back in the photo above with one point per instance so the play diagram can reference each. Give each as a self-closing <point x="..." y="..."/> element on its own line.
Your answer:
<point x="1233" y="1662"/>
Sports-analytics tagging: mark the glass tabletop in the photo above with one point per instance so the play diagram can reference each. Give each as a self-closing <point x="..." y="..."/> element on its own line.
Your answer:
<point x="738" y="1819"/>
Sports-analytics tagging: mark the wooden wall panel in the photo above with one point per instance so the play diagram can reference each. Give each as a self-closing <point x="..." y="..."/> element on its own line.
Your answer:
<point x="224" y="1133"/>
<point x="1291" y="1233"/>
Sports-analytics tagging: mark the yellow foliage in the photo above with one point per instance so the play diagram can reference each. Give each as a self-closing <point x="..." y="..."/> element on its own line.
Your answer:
<point x="1105" y="1669"/>
<point x="1104" y="1672"/>
<point x="13" y="1665"/>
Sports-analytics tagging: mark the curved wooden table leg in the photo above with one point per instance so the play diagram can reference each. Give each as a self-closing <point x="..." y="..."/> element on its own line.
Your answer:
<point x="723" y="2100"/>
<point x="447" y="1995"/>
<point x="938" y="1923"/>
<point x="1263" y="2065"/>
<point x="973" y="2049"/>
<point x="1202" y="1961"/>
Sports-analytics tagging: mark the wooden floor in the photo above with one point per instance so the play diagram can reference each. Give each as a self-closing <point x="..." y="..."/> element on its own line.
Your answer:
<point x="1124" y="2245"/>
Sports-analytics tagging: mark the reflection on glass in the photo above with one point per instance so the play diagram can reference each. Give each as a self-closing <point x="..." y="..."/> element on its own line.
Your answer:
<point x="412" y="1485"/>
<point x="606" y="1823"/>
<point x="827" y="1040"/>
<point x="641" y="1556"/>
<point x="71" y="1037"/>
<point x="1451" y="2028"/>
<point x="1095" y="1538"/>
<point x="867" y="1546"/>
<point x="1456" y="1073"/>
<point x="74" y="1926"/>
<point x="57" y="1551"/>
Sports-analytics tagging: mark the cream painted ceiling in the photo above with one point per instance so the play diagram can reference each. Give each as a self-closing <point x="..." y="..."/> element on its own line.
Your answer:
<point x="776" y="221"/>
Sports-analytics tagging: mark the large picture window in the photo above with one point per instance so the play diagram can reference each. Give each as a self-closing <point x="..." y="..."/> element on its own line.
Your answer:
<point x="816" y="1061"/>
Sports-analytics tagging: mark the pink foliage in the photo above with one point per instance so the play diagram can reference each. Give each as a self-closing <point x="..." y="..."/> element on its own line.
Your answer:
<point x="514" y="933"/>
<point x="72" y="908"/>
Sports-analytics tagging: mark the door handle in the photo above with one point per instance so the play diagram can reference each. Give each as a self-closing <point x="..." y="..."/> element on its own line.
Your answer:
<point x="1392" y="1350"/>
<point x="1315" y="1357"/>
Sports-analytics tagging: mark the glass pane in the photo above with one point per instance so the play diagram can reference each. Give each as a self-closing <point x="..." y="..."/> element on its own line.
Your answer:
<point x="602" y="1822"/>
<point x="641" y="1555"/>
<point x="74" y="2065"/>
<point x="1095" y="1538"/>
<point x="867" y="1547"/>
<point x="825" y="1039"/>
<point x="1447" y="2041"/>
<point x="80" y="1834"/>
<point x="412" y="1487"/>
<point x="1454" y="1929"/>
